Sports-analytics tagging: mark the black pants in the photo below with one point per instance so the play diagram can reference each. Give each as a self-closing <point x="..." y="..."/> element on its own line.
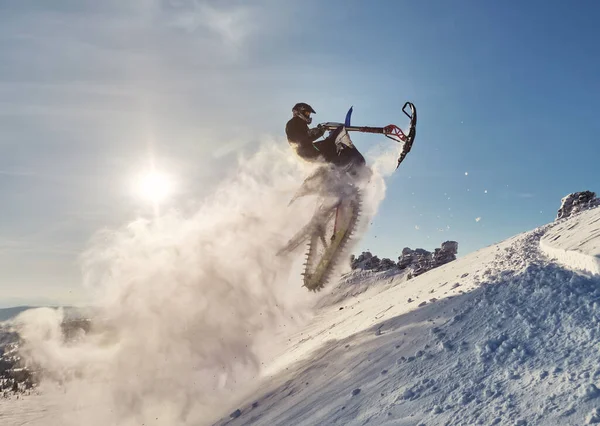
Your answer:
<point x="344" y="157"/>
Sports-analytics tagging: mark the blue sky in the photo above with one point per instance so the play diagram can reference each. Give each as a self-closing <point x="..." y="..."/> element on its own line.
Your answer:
<point x="506" y="92"/>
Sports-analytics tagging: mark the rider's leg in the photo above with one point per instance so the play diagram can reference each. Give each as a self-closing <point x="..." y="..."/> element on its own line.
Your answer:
<point x="327" y="146"/>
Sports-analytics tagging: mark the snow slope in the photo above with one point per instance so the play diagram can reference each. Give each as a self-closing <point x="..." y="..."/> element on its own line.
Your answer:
<point x="576" y="242"/>
<point x="507" y="335"/>
<point x="502" y="336"/>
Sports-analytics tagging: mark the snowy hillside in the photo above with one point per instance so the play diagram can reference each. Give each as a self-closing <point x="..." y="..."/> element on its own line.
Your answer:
<point x="16" y="379"/>
<point x="575" y="242"/>
<point x="9" y="313"/>
<point x="505" y="335"/>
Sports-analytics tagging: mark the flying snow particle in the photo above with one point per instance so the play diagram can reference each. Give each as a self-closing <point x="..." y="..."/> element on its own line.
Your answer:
<point x="477" y="219"/>
<point x="466" y="173"/>
<point x="417" y="227"/>
<point x="485" y="192"/>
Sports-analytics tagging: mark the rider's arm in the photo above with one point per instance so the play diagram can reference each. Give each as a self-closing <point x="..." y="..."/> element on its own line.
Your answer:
<point x="299" y="133"/>
<point x="315" y="133"/>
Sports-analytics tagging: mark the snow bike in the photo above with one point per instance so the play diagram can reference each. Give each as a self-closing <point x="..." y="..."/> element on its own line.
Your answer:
<point x="337" y="186"/>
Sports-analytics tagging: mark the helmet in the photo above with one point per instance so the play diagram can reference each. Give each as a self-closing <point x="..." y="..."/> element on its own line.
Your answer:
<point x="303" y="111"/>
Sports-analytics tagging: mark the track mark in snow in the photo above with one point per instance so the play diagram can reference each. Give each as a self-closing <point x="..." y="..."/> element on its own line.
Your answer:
<point x="593" y="417"/>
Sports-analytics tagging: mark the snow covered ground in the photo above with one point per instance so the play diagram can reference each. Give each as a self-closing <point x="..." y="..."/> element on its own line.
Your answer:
<point x="502" y="336"/>
<point x="506" y="335"/>
<point x="575" y="242"/>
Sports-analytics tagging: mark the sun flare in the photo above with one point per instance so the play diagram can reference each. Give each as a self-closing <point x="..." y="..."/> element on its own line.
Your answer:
<point x="154" y="186"/>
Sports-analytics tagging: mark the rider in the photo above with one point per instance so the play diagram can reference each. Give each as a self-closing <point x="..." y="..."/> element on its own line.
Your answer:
<point x="302" y="139"/>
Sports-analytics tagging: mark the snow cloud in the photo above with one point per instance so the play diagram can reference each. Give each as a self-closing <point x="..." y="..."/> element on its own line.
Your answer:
<point x="187" y="305"/>
<point x="184" y="303"/>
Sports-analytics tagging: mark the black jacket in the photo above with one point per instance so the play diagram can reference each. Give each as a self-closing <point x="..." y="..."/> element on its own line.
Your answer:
<point x="302" y="138"/>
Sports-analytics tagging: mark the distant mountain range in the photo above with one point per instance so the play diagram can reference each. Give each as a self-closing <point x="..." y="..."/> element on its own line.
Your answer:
<point x="9" y="313"/>
<point x="70" y="311"/>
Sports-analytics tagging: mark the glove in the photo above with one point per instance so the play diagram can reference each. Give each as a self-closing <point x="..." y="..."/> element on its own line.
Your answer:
<point x="316" y="132"/>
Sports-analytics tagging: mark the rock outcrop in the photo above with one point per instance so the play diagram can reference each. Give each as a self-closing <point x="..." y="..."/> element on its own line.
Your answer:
<point x="418" y="260"/>
<point x="576" y="202"/>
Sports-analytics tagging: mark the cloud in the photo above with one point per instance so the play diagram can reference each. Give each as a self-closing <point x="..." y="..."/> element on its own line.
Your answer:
<point x="232" y="26"/>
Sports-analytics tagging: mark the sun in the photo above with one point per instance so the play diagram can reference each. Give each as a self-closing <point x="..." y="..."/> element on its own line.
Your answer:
<point x="154" y="186"/>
